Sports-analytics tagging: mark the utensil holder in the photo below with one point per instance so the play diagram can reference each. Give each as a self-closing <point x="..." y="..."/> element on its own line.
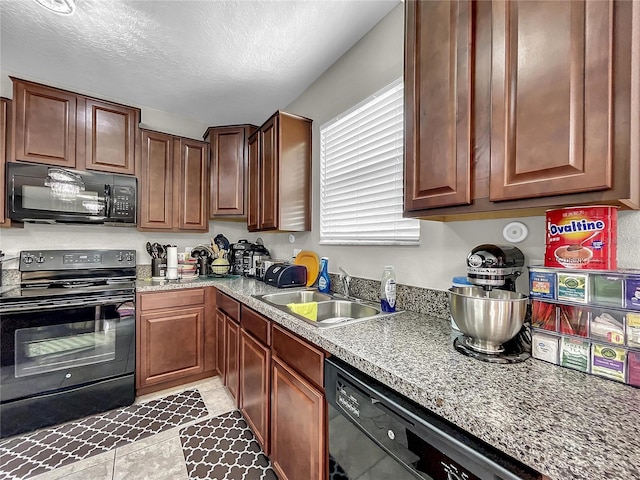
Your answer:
<point x="158" y="267"/>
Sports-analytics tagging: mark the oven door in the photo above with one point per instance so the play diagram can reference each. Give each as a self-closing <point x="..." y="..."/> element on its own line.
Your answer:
<point x="46" y="350"/>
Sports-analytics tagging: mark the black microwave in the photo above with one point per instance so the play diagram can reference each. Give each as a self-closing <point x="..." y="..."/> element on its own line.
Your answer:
<point x="48" y="194"/>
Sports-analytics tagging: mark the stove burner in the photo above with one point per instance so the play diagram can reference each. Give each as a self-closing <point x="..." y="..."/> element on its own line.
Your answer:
<point x="460" y="344"/>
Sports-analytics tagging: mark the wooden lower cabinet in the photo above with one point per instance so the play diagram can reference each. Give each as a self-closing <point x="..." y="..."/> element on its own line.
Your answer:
<point x="298" y="413"/>
<point x="232" y="348"/>
<point x="255" y="386"/>
<point x="277" y="379"/>
<point x="174" y="338"/>
<point x="221" y="323"/>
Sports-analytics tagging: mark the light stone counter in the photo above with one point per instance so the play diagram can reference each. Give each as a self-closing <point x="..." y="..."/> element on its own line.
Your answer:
<point x="563" y="423"/>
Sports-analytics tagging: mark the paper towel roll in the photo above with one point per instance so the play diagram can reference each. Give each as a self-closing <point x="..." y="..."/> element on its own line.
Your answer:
<point x="172" y="263"/>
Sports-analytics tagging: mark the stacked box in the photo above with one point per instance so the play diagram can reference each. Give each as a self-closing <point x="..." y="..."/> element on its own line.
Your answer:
<point x="587" y="321"/>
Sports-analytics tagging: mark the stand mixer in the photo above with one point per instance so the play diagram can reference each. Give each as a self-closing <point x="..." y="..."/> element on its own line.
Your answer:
<point x="491" y="314"/>
<point x="496" y="266"/>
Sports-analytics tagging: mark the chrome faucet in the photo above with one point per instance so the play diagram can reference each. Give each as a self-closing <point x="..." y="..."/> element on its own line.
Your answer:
<point x="346" y="279"/>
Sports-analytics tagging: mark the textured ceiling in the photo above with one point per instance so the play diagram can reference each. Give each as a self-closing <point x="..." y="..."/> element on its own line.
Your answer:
<point x="220" y="62"/>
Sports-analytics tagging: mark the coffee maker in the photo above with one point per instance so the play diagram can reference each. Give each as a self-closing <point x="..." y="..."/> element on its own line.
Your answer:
<point x="496" y="267"/>
<point x="238" y="252"/>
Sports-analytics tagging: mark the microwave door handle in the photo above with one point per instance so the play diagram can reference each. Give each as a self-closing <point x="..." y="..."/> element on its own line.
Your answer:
<point x="107" y="201"/>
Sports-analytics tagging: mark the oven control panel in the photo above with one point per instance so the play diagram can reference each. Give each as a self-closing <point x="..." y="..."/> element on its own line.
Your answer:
<point x="35" y="260"/>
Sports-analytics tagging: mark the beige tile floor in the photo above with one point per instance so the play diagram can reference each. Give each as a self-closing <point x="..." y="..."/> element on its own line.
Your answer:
<point x="158" y="457"/>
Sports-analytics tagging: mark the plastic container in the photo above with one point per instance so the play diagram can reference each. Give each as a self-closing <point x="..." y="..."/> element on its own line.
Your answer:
<point x="461" y="281"/>
<point x="324" y="283"/>
<point x="388" y="289"/>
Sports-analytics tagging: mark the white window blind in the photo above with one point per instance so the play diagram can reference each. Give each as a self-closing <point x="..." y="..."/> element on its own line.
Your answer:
<point x="361" y="174"/>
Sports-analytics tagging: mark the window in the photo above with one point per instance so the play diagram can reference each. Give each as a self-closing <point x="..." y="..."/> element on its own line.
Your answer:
<point x="361" y="174"/>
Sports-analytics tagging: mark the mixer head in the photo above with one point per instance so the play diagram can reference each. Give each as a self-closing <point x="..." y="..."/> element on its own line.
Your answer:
<point x="492" y="266"/>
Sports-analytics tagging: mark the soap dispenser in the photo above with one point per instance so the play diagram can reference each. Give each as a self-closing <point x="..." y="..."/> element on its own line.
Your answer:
<point x="324" y="283"/>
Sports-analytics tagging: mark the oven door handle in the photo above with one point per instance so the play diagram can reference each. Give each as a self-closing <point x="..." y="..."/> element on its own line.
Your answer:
<point x="31" y="306"/>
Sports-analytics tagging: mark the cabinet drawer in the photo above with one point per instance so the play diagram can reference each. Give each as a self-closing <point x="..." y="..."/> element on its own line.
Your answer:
<point x="256" y="324"/>
<point x="299" y="354"/>
<point x="228" y="305"/>
<point x="173" y="298"/>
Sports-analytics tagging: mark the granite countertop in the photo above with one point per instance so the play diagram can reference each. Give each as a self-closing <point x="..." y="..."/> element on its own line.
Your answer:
<point x="563" y="423"/>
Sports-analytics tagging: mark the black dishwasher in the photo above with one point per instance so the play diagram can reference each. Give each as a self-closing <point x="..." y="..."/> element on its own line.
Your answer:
<point x="375" y="433"/>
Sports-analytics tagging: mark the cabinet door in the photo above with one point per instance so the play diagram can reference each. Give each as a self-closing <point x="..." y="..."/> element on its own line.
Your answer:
<point x="156" y="181"/>
<point x="268" y="203"/>
<point x="297" y="425"/>
<point x="253" y="184"/>
<point x="210" y="330"/>
<point x="44" y="125"/>
<point x="228" y="171"/>
<point x="255" y="360"/>
<point x="171" y="345"/>
<point x="4" y="138"/>
<point x="110" y="137"/>
<point x="551" y="98"/>
<point x="221" y="328"/>
<point x="191" y="189"/>
<point x="232" y="349"/>
<point x="437" y="104"/>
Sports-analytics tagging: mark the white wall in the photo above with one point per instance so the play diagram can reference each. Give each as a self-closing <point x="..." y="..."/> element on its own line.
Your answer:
<point x="370" y="65"/>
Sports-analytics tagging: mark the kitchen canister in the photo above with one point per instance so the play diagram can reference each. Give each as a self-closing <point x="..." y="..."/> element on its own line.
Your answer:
<point x="582" y="237"/>
<point x="172" y="263"/>
<point x="460" y="281"/>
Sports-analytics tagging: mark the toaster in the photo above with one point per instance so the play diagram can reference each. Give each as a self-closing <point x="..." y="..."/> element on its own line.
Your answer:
<point x="283" y="275"/>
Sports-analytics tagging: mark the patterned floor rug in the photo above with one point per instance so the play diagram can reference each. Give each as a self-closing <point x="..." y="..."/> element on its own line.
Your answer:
<point x="32" y="454"/>
<point x="224" y="447"/>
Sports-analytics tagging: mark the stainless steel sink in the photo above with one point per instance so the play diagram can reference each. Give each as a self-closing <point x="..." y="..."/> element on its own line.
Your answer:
<point x="297" y="296"/>
<point x="333" y="311"/>
<point x="338" y="311"/>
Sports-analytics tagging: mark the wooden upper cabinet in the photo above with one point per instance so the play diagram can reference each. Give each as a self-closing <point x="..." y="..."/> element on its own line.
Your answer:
<point x="229" y="158"/>
<point x="253" y="182"/>
<point x="552" y="88"/>
<point x="5" y="123"/>
<point x="437" y="104"/>
<point x="516" y="107"/>
<point x="280" y="175"/>
<point x="110" y="137"/>
<point x="191" y="191"/>
<point x="156" y="181"/>
<point x="269" y="175"/>
<point x="44" y="124"/>
<point x="57" y="127"/>
<point x="173" y="183"/>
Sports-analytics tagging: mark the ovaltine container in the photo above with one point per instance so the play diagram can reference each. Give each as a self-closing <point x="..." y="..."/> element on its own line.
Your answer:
<point x="582" y="237"/>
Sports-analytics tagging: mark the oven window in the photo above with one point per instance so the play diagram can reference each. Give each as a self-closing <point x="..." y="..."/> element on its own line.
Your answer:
<point x="55" y="347"/>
